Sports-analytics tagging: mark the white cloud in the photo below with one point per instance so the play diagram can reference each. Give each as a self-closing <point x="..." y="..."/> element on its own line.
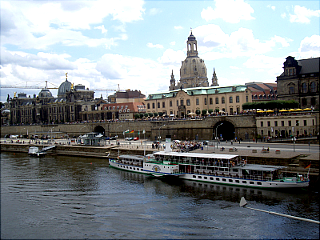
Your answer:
<point x="172" y="58"/>
<point x="303" y="15"/>
<point x="178" y="27"/>
<point x="272" y="7"/>
<point x="151" y="45"/>
<point x="154" y="11"/>
<point x="262" y="63"/>
<point x="102" y="28"/>
<point x="310" y="47"/>
<point x="231" y="11"/>
<point x="173" y="43"/>
<point x="39" y="24"/>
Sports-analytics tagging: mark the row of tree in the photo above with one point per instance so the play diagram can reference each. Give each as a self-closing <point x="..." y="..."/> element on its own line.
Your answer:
<point x="275" y="104"/>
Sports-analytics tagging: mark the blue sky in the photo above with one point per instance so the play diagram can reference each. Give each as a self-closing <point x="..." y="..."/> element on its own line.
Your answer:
<point x="137" y="44"/>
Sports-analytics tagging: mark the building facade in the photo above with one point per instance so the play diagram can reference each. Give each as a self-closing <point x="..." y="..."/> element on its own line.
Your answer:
<point x="184" y="102"/>
<point x="300" y="81"/>
<point x="288" y="125"/>
<point x="46" y="109"/>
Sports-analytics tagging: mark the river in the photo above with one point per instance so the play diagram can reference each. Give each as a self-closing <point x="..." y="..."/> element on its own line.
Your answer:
<point x="75" y="198"/>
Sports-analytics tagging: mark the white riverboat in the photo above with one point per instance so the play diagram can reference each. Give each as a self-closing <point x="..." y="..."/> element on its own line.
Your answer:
<point x="145" y="164"/>
<point x="35" y="152"/>
<point x="231" y="170"/>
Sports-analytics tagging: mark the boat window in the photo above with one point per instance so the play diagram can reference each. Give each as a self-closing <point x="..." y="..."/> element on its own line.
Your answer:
<point x="194" y="176"/>
<point x="237" y="181"/>
<point x="205" y="177"/>
<point x="134" y="168"/>
<point x="244" y="181"/>
<point x="251" y="182"/>
<point x="230" y="180"/>
<point x="199" y="177"/>
<point x="259" y="183"/>
<point x="224" y="180"/>
<point x="211" y="178"/>
<point x="235" y="170"/>
<point x="217" y="179"/>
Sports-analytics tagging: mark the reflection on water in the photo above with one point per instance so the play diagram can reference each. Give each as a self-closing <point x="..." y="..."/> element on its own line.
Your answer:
<point x="84" y="198"/>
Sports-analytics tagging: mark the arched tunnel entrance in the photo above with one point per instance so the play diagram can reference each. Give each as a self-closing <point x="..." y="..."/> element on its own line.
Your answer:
<point x="99" y="129"/>
<point x="224" y="130"/>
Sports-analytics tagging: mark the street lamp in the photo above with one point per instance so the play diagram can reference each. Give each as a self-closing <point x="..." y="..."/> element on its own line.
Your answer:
<point x="217" y="132"/>
<point x="159" y="132"/>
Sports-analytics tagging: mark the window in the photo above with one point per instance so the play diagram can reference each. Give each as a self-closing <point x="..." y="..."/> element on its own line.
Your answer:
<point x="291" y="90"/>
<point x="259" y="183"/>
<point x="205" y="101"/>
<point x="181" y="102"/>
<point x="230" y="180"/>
<point x="177" y="102"/>
<point x="163" y="104"/>
<point x="158" y="104"/>
<point x="224" y="180"/>
<point x="247" y="99"/>
<point x="268" y="123"/>
<point x="297" y="122"/>
<point x="153" y="105"/>
<point x="237" y="99"/>
<point x="217" y="100"/>
<point x="313" y="87"/>
<point x="276" y="123"/>
<point x="148" y="106"/>
<point x="197" y="101"/>
<point x="289" y="123"/>
<point x="211" y="101"/>
<point x="261" y="124"/>
<point x="282" y="123"/>
<point x="230" y="100"/>
<point x="251" y="182"/>
<point x="304" y="122"/>
<point x="170" y="103"/>
<point x="222" y="100"/>
<point x="304" y="88"/>
<point x="237" y="181"/>
<point x="188" y="102"/>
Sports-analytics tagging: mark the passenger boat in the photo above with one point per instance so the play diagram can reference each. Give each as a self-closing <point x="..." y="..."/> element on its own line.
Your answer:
<point x="213" y="168"/>
<point x="145" y="164"/>
<point x="231" y="170"/>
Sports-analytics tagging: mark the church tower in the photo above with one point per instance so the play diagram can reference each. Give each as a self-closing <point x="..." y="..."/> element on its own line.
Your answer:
<point x="172" y="82"/>
<point x="192" y="46"/>
<point x="214" y="78"/>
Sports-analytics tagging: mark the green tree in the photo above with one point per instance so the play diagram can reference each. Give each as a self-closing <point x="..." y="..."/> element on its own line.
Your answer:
<point x="210" y="111"/>
<point x="204" y="112"/>
<point x="198" y="112"/>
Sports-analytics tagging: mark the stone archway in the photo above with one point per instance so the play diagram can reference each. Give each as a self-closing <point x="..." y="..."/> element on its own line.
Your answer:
<point x="224" y="130"/>
<point x="99" y="129"/>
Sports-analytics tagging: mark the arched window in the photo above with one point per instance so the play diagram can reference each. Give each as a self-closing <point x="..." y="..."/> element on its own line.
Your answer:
<point x="304" y="88"/>
<point x="313" y="87"/>
<point x="222" y="100"/>
<point x="230" y="100"/>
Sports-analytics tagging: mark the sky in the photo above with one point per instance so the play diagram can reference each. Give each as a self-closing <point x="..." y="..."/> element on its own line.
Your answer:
<point x="127" y="44"/>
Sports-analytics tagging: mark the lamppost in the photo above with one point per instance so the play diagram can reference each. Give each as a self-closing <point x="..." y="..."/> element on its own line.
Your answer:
<point x="51" y="133"/>
<point x="159" y="132"/>
<point x="217" y="133"/>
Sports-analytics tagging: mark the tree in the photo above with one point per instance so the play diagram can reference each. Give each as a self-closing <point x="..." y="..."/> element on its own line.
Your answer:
<point x="136" y="115"/>
<point x="160" y="114"/>
<point x="197" y="111"/>
<point x="204" y="112"/>
<point x="146" y="114"/>
<point x="150" y="114"/>
<point x="210" y="111"/>
<point x="155" y="114"/>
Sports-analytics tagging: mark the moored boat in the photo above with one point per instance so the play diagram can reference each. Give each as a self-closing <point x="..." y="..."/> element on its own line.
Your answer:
<point x="34" y="152"/>
<point x="145" y="164"/>
<point x="231" y="170"/>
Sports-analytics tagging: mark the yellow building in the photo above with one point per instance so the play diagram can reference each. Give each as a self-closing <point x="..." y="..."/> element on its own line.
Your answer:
<point x="184" y="102"/>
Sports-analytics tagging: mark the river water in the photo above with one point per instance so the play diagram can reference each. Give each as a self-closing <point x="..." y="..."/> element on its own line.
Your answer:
<point x="76" y="198"/>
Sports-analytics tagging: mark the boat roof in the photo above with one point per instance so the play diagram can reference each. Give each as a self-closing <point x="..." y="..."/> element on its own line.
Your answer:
<point x="196" y="155"/>
<point x="258" y="167"/>
<point x="135" y="157"/>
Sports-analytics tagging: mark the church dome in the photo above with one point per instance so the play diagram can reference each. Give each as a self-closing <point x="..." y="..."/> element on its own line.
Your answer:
<point x="45" y="93"/>
<point x="63" y="88"/>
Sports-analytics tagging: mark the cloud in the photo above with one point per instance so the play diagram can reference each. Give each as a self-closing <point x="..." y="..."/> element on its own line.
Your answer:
<point x="213" y="43"/>
<point x="178" y="27"/>
<point x="102" y="28"/>
<point x="262" y="63"/>
<point x="303" y="15"/>
<point x="310" y="47"/>
<point x="42" y="24"/>
<point x="151" y="45"/>
<point x="154" y="11"/>
<point x="172" y="58"/>
<point x="231" y="11"/>
<point x="272" y="7"/>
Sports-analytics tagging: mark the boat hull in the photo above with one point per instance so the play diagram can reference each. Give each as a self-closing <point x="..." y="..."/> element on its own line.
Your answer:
<point x="243" y="182"/>
<point x="115" y="164"/>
